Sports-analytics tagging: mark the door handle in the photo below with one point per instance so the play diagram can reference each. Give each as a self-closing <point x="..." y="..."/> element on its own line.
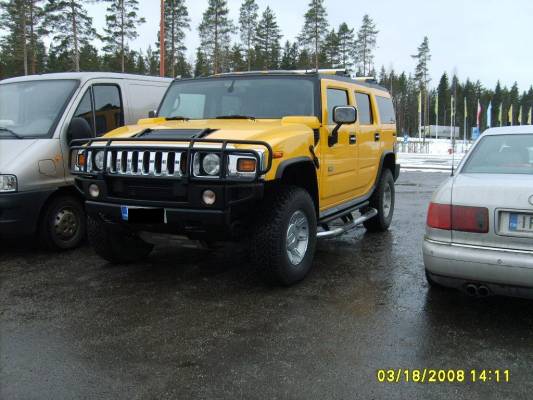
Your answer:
<point x="353" y="138"/>
<point x="377" y="136"/>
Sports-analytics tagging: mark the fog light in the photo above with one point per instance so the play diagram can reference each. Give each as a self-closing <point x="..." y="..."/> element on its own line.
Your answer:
<point x="209" y="197"/>
<point x="94" y="190"/>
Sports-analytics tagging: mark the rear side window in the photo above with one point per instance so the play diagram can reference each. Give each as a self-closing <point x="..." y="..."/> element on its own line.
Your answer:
<point x="386" y="110"/>
<point x="109" y="113"/>
<point x="336" y="97"/>
<point x="364" y="109"/>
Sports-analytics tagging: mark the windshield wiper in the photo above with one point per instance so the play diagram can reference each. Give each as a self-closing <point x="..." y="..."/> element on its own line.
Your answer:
<point x="2" y="129"/>
<point x="177" y="118"/>
<point x="235" y="117"/>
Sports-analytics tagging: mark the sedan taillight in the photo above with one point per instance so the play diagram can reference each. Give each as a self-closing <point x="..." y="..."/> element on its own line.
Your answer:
<point x="458" y="218"/>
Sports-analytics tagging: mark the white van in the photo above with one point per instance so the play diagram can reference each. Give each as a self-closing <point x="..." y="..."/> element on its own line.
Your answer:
<point x="39" y="116"/>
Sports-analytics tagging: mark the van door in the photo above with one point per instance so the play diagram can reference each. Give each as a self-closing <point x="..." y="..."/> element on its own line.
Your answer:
<point x="368" y="137"/>
<point x="339" y="172"/>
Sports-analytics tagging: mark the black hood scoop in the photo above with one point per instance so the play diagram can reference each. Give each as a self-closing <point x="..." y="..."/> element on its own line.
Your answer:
<point x="175" y="134"/>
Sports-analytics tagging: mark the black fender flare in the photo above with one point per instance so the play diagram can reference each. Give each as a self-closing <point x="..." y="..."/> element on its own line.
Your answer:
<point x="395" y="171"/>
<point x="287" y="163"/>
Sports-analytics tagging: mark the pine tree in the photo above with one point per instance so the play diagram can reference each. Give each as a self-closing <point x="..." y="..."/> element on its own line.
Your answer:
<point x="176" y="22"/>
<point x="237" y="62"/>
<point x="201" y="67"/>
<point x="22" y="19"/>
<point x="122" y="22"/>
<point x="289" y="59"/>
<point x="422" y="57"/>
<point x="331" y="49"/>
<point x="366" y="44"/>
<point x="248" y="27"/>
<point x="346" y="41"/>
<point x="267" y="40"/>
<point x="71" y="27"/>
<point x="152" y="61"/>
<point x="215" y="32"/>
<point x="140" y="64"/>
<point x="89" y="58"/>
<point x="315" y="28"/>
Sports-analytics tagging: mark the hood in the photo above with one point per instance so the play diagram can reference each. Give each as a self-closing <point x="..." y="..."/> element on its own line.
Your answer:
<point x="11" y="149"/>
<point x="271" y="131"/>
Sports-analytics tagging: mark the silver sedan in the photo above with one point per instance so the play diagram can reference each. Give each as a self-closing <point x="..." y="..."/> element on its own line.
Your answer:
<point x="479" y="234"/>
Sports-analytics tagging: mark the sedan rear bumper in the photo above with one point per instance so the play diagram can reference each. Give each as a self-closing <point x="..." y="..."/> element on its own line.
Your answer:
<point x="476" y="264"/>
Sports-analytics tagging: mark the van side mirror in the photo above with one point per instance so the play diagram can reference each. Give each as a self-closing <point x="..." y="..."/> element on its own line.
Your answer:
<point x="152" y="114"/>
<point x="79" y="128"/>
<point x="342" y="115"/>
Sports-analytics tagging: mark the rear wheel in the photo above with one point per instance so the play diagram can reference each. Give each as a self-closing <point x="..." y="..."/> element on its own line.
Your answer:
<point x="283" y="241"/>
<point x="383" y="201"/>
<point x="62" y="225"/>
<point x="115" y="245"/>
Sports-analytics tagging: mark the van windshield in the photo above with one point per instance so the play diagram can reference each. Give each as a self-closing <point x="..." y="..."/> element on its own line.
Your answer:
<point x="31" y="109"/>
<point x="254" y="97"/>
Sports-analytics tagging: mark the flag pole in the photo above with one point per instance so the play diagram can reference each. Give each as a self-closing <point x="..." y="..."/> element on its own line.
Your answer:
<point x="162" y="55"/>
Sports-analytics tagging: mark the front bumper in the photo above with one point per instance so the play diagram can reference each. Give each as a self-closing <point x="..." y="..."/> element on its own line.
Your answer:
<point x="19" y="212"/>
<point x="506" y="272"/>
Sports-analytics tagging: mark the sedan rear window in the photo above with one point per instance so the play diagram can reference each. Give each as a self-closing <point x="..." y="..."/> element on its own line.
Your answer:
<point x="502" y="154"/>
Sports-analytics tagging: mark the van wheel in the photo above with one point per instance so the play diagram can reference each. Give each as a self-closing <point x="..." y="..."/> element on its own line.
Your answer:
<point x="115" y="245"/>
<point x="63" y="225"/>
<point x="383" y="201"/>
<point x="283" y="240"/>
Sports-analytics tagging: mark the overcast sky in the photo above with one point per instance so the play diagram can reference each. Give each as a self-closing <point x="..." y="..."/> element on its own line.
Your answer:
<point x="480" y="39"/>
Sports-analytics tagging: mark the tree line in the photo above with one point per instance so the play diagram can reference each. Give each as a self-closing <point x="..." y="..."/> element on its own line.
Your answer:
<point x="253" y="42"/>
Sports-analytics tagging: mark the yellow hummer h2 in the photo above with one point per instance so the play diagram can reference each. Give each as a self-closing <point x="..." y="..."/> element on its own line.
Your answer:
<point x="276" y="159"/>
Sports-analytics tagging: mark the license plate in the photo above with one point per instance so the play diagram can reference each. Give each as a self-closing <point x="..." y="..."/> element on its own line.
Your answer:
<point x="521" y="222"/>
<point x="143" y="215"/>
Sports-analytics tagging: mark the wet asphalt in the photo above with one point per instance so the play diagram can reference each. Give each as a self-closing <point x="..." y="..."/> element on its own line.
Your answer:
<point x="192" y="324"/>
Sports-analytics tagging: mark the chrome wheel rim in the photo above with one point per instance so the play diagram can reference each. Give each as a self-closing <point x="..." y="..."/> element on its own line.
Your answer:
<point x="387" y="201"/>
<point x="66" y="223"/>
<point x="297" y="237"/>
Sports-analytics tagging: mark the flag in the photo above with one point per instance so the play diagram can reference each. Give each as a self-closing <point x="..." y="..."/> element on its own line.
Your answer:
<point x="420" y="102"/>
<point x="510" y="115"/>
<point x="500" y="114"/>
<point x="530" y="116"/>
<point x="478" y="115"/>
<point x="466" y="109"/>
<point x="520" y="116"/>
<point x="489" y="115"/>
<point x="437" y="108"/>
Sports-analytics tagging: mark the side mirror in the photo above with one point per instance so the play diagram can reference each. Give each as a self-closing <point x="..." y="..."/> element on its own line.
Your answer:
<point x="342" y="115"/>
<point x="152" y="114"/>
<point x="79" y="128"/>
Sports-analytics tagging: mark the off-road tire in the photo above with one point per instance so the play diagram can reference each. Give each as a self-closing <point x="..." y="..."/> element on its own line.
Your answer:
<point x="382" y="221"/>
<point x="115" y="245"/>
<point x="268" y="244"/>
<point x="68" y="233"/>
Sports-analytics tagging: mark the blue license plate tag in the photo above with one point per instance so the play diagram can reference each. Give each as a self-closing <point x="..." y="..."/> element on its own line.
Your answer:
<point x="124" y="211"/>
<point x="520" y="222"/>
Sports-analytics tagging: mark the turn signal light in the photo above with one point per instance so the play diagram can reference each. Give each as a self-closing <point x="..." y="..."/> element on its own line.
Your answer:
<point x="246" y="165"/>
<point x="458" y="218"/>
<point x="81" y="159"/>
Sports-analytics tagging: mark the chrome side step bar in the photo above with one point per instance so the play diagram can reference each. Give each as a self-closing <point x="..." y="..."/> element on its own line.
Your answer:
<point x="328" y="234"/>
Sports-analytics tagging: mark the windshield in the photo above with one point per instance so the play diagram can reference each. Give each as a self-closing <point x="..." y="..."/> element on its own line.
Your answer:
<point x="502" y="154"/>
<point x="32" y="108"/>
<point x="255" y="97"/>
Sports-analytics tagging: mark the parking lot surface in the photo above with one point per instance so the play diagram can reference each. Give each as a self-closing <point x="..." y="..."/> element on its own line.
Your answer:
<point x="192" y="324"/>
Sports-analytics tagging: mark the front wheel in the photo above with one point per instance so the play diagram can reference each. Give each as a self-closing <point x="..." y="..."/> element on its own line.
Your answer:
<point x="284" y="239"/>
<point x="116" y="245"/>
<point x="382" y="200"/>
<point x="62" y="226"/>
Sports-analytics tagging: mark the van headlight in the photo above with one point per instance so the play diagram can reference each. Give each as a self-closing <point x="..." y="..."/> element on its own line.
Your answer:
<point x="8" y="183"/>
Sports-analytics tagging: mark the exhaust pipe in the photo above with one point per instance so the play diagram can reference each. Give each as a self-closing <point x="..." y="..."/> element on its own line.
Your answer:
<point x="471" y="290"/>
<point x="483" y="291"/>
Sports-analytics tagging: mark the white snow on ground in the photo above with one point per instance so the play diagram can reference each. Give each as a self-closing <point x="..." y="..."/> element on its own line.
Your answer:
<point x="428" y="162"/>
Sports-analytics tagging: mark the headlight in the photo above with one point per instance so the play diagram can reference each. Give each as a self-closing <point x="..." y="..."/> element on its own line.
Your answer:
<point x="99" y="160"/>
<point x="8" y="183"/>
<point x="211" y="164"/>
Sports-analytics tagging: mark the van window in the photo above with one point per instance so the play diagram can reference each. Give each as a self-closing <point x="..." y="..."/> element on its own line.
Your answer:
<point x="364" y="110"/>
<point x="386" y="110"/>
<point x="109" y="113"/>
<point x="85" y="109"/>
<point x="336" y="97"/>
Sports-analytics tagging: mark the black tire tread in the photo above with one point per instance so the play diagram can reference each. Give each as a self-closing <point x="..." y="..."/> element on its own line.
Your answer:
<point x="377" y="224"/>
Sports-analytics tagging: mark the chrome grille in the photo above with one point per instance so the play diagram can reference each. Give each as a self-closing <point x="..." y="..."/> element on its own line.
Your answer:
<point x="120" y="162"/>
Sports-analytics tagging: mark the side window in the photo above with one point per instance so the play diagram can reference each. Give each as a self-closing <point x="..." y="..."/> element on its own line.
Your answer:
<point x="364" y="109"/>
<point x="336" y="97"/>
<point x="109" y="112"/>
<point x="386" y="110"/>
<point x="85" y="109"/>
